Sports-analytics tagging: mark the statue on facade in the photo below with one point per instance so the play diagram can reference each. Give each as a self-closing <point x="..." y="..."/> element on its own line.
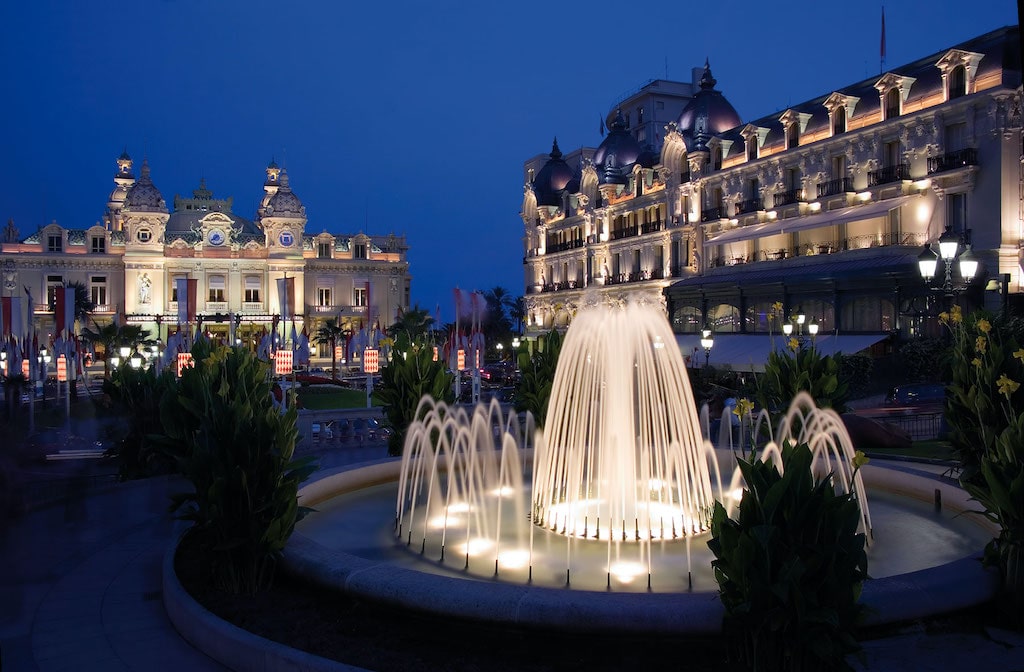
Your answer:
<point x="144" y="286"/>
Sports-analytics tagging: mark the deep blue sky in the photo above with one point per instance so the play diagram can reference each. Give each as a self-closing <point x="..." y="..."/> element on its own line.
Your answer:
<point x="404" y="116"/>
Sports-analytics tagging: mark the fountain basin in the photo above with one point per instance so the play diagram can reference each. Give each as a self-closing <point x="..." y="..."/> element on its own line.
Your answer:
<point x="374" y="567"/>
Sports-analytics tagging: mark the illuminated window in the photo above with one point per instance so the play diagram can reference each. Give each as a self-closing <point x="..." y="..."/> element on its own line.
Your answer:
<point x="217" y="292"/>
<point x="359" y="296"/>
<point x="52" y="283"/>
<point x="892" y="103"/>
<point x="252" y="289"/>
<point x="98" y="290"/>
<point x="323" y="296"/>
<point x="639" y="115"/>
<point x="359" y="251"/>
<point x="54" y="243"/>
<point x="839" y="121"/>
<point x="323" y="250"/>
<point x="958" y="82"/>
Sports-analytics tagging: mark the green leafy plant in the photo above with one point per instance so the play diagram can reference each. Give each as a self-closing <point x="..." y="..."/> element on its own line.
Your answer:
<point x="537" y="377"/>
<point x="236" y="449"/>
<point x="411" y="374"/>
<point x="138" y="393"/>
<point x="919" y="357"/>
<point x="985" y="411"/>
<point x="797" y="368"/>
<point x="790" y="569"/>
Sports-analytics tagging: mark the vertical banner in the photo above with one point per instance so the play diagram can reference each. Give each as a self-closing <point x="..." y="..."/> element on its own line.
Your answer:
<point x="64" y="309"/>
<point x="186" y="289"/>
<point x="461" y="359"/>
<point x="283" y="359"/>
<point x="435" y="353"/>
<point x="62" y="369"/>
<point x="14" y="324"/>
<point x="339" y="353"/>
<point x="286" y="297"/>
<point x="371" y="360"/>
<point x="25" y="368"/>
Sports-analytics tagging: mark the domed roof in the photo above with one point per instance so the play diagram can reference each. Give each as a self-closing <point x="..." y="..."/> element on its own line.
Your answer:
<point x="552" y="179"/>
<point x="648" y="158"/>
<point x="708" y="114"/>
<point x="615" y="157"/>
<point x="144" y="196"/>
<point x="285" y="203"/>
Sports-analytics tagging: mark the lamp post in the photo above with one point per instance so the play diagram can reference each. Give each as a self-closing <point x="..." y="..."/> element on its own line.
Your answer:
<point x="707" y="341"/>
<point x="812" y="329"/>
<point x="949" y="252"/>
<point x="515" y="354"/>
<point x="500" y="347"/>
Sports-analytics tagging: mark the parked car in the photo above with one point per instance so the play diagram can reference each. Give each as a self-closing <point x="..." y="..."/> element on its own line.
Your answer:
<point x="917" y="395"/>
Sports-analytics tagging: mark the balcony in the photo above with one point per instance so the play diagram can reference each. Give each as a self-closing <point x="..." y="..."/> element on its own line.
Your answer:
<point x="651" y="227"/>
<point x="889" y="174"/>
<point x="840" y="185"/>
<point x="627" y="232"/>
<point x="252" y="307"/>
<point x="324" y="310"/>
<point x="216" y="306"/>
<point x="712" y="214"/>
<point x="788" y="197"/>
<point x="562" y="247"/>
<point x="749" y="205"/>
<point x="953" y="160"/>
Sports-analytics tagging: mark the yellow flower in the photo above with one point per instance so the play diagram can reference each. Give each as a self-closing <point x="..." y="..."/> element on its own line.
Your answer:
<point x="793" y="344"/>
<point x="943" y="318"/>
<point x="1006" y="386"/>
<point x="860" y="459"/>
<point x="980" y="344"/>
<point x="777" y="308"/>
<point x="1019" y="354"/>
<point x="984" y="326"/>
<point x="743" y="407"/>
<point x="956" y="315"/>
<point x="976" y="362"/>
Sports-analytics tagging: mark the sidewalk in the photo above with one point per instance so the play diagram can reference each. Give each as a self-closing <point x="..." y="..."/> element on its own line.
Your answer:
<point x="82" y="591"/>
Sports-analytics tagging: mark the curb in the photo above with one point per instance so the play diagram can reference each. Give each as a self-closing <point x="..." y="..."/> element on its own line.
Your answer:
<point x="228" y="644"/>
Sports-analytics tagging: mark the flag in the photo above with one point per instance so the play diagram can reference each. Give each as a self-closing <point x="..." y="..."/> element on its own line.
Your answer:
<point x="64" y="309"/>
<point x="286" y="297"/>
<point x="186" y="289"/>
<point x="13" y="321"/>
<point x="29" y="314"/>
<point x="881" y="51"/>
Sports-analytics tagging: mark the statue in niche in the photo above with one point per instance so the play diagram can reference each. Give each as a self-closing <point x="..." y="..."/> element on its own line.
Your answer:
<point x="145" y="285"/>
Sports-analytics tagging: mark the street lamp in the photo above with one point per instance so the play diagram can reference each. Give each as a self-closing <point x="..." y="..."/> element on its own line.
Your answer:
<point x="500" y="347"/>
<point x="949" y="246"/>
<point x="515" y="352"/>
<point x="707" y="341"/>
<point x="787" y="329"/>
<point x="812" y="329"/>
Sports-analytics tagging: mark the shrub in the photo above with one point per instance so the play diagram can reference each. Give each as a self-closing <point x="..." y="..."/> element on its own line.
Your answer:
<point x="855" y="371"/>
<point x="923" y="359"/>
<point x="796" y="369"/>
<point x="984" y="410"/>
<point x="411" y="374"/>
<point x="537" y="377"/>
<point x="236" y="449"/>
<point x="790" y="568"/>
<point x="139" y="392"/>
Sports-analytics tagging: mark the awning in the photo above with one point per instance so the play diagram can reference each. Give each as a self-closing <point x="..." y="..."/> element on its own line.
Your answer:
<point x="749" y="352"/>
<point x="853" y="213"/>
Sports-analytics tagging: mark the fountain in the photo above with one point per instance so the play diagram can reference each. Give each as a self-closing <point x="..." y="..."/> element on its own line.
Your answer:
<point x="495" y="521"/>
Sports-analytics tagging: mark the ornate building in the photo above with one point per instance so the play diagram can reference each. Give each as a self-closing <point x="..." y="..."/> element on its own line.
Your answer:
<point x="131" y="260"/>
<point x="825" y="207"/>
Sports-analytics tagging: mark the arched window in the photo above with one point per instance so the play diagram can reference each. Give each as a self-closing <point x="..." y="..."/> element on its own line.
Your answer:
<point x="839" y="121"/>
<point x="687" y="320"/>
<point x="868" y="314"/>
<point x="793" y="135"/>
<point x="892" y="103"/>
<point x="716" y="158"/>
<point x="724" y="318"/>
<point x="958" y="82"/>
<point x="751" y="148"/>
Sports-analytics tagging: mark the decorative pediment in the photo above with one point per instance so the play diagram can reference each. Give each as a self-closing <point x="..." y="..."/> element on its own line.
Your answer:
<point x="891" y="80"/>
<point x="750" y="131"/>
<point x="955" y="57"/>
<point x="792" y="116"/>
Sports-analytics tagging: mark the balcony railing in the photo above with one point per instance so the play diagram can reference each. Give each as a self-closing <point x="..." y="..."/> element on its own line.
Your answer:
<point x="900" y="171"/>
<point x="249" y="307"/>
<point x="711" y="214"/>
<point x="216" y="306"/>
<point x="651" y="227"/>
<point x="788" y="197"/>
<point x="627" y="232"/>
<point x="749" y="205"/>
<point x="953" y="160"/>
<point x="840" y="185"/>
<point x="567" y="245"/>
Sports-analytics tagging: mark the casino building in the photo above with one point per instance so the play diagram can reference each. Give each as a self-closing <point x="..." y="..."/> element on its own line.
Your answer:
<point x="129" y="262"/>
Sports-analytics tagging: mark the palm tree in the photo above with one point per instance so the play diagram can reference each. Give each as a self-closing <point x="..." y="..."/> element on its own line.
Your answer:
<point x="411" y="325"/>
<point x="329" y="332"/>
<point x="518" y="313"/>
<point x="84" y="305"/>
<point x="113" y="335"/>
<point x="497" y="325"/>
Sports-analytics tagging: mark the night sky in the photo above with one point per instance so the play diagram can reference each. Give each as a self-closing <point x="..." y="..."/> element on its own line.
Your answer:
<point x="405" y="117"/>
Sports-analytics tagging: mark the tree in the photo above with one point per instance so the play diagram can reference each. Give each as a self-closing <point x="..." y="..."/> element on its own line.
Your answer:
<point x="412" y="325"/>
<point x="113" y="335"/>
<point x="330" y="332"/>
<point x="517" y="313"/>
<point x="534" y="391"/>
<point x="84" y="305"/>
<point x="496" y="323"/>
<point x="411" y="374"/>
